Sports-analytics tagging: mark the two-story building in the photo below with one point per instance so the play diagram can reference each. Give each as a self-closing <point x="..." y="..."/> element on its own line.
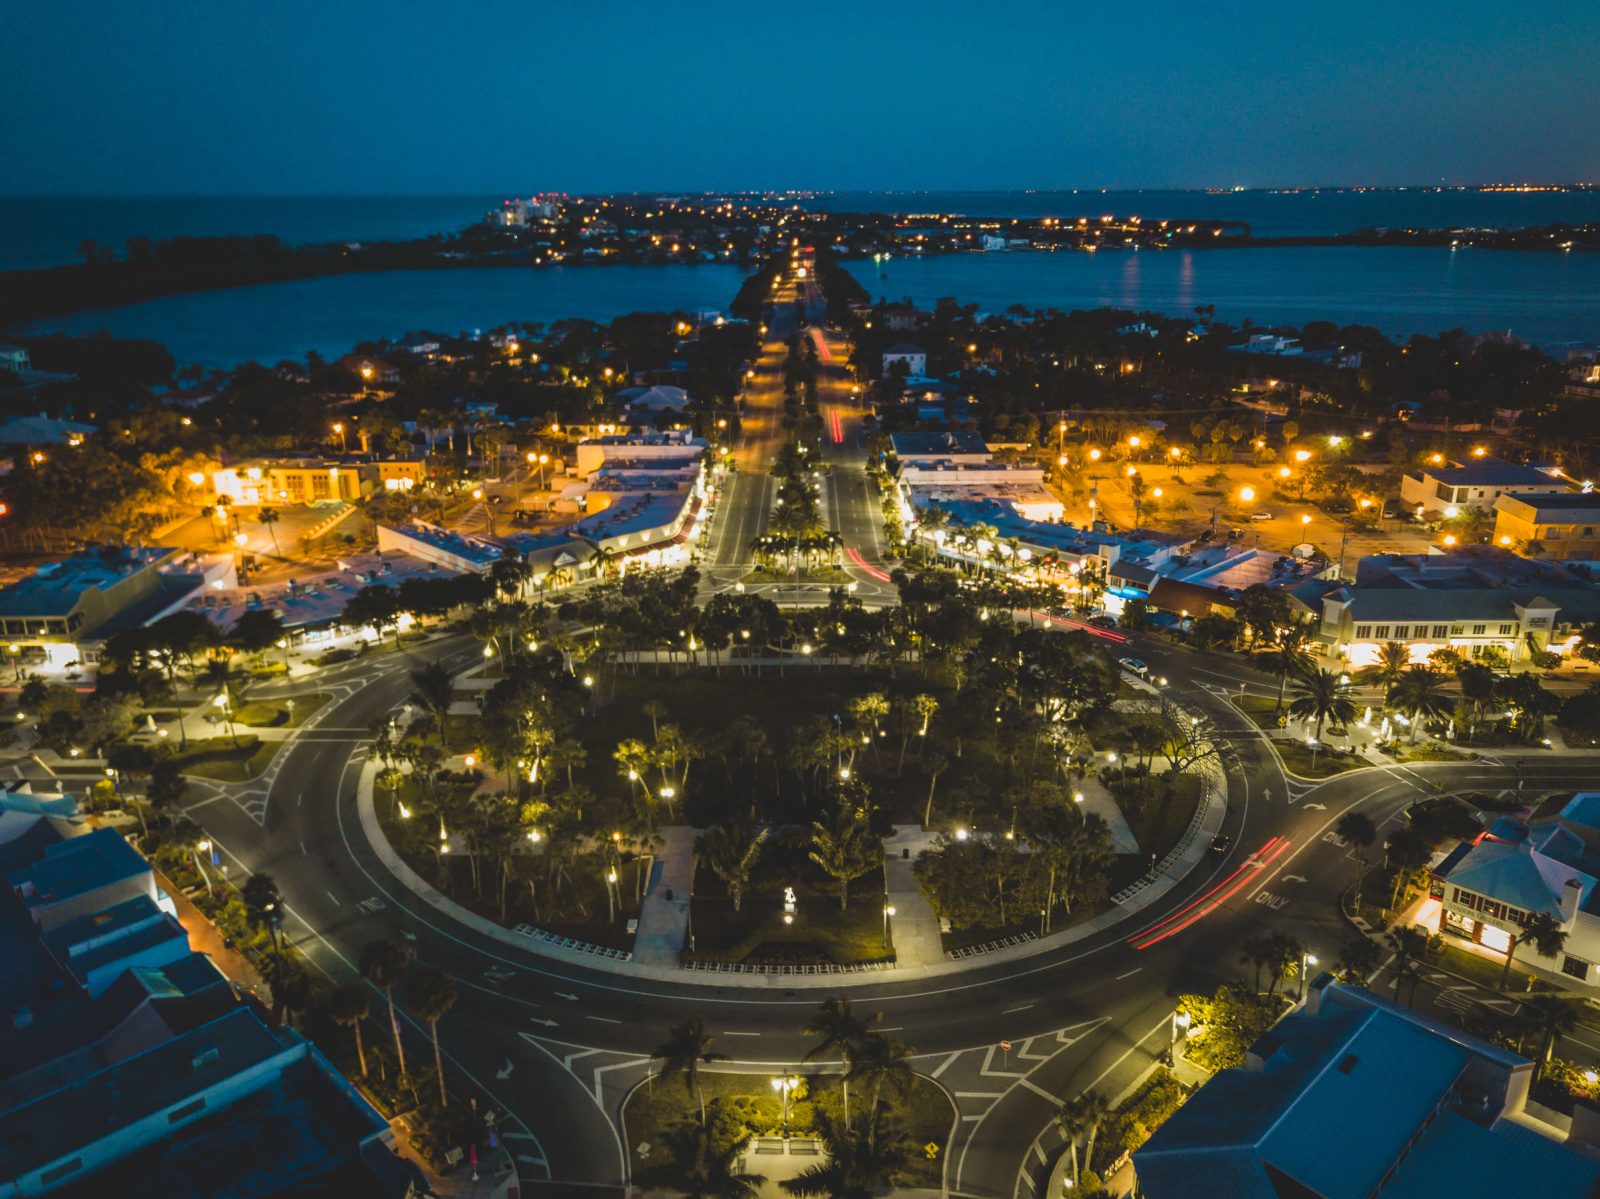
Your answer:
<point x="314" y="480"/>
<point x="1490" y="888"/>
<point x="913" y="357"/>
<point x="1449" y="490"/>
<point x="1562" y="525"/>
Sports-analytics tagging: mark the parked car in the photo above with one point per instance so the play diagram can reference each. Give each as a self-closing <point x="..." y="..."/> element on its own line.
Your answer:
<point x="1221" y="844"/>
<point x="1134" y="666"/>
<point x="1102" y="621"/>
<point x="1257" y="517"/>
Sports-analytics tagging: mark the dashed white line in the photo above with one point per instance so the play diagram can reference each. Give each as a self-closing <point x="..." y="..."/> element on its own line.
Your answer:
<point x="731" y="1033"/>
<point x="335" y="899"/>
<point x="603" y="1019"/>
<point x="1024" y="1007"/>
<point x="1130" y="973"/>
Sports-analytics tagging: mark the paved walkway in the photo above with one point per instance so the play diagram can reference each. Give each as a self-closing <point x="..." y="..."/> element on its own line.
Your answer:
<point x="663" y="921"/>
<point x="448" y="909"/>
<point x="914" y="926"/>
<point x="1097" y="801"/>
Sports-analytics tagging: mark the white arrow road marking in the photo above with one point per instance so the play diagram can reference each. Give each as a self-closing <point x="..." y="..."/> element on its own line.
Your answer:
<point x="574" y="998"/>
<point x="546" y="1023"/>
<point x="1316" y="807"/>
<point x="1295" y="878"/>
<point x="505" y="1069"/>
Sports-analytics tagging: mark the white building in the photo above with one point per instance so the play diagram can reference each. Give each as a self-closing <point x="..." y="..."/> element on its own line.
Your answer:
<point x="1488" y="889"/>
<point x="914" y="357"/>
<point x="1448" y="490"/>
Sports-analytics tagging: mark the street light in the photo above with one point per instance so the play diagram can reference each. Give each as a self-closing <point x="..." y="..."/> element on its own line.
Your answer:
<point x="1306" y="961"/>
<point x="888" y="910"/>
<point x="1180" y="1020"/>
<point x="1247" y="494"/>
<point x="783" y="1086"/>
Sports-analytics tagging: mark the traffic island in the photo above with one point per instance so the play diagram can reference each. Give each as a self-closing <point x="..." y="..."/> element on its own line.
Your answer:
<point x="785" y="1121"/>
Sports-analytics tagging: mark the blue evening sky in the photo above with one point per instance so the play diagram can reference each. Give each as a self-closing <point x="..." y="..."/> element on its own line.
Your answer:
<point x="363" y="97"/>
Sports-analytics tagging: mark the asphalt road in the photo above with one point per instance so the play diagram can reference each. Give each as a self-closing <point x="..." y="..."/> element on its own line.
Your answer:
<point x="556" y="1046"/>
<point x="1091" y="1014"/>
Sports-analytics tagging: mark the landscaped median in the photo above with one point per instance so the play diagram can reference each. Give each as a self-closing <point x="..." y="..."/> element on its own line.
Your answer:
<point x="743" y="1107"/>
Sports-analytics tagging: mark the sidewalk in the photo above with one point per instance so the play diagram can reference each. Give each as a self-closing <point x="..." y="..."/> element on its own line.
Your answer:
<point x="914" y="926"/>
<point x="1138" y="899"/>
<point x="1097" y="801"/>
<point x="664" y="922"/>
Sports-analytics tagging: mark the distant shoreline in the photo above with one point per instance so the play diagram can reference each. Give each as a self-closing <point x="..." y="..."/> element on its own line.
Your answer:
<point x="42" y="293"/>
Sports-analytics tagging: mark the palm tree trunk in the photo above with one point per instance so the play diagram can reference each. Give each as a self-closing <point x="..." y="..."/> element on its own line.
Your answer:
<point x="361" y="1052"/>
<point x="394" y="1024"/>
<point x="438" y="1063"/>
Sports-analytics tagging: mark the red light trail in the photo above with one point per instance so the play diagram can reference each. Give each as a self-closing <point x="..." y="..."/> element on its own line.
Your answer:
<point x="1213" y="899"/>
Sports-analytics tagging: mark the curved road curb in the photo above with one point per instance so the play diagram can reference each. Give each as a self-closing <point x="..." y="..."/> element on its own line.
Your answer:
<point x="366" y="808"/>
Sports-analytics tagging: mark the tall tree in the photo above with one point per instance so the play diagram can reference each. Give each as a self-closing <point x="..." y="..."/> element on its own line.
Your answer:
<point x="730" y="851"/>
<point x="701" y="1160"/>
<point x="686" y="1049"/>
<point x="1321" y="695"/>
<point x="384" y="963"/>
<point x="349" y="1008"/>
<point x="1288" y="658"/>
<point x="846" y="848"/>
<point x="430" y="993"/>
<point x="1358" y="830"/>
<point x="1544" y="932"/>
<point x="840" y="1030"/>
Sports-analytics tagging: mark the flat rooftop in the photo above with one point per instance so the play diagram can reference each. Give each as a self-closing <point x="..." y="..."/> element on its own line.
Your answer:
<point x="55" y="588"/>
<point x="1557" y="501"/>
<point x="1490" y="472"/>
<point x="922" y="445"/>
<point x="79" y="865"/>
<point x="641" y="514"/>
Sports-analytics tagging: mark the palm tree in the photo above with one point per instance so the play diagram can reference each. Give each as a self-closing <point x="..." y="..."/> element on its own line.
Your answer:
<point x="1288" y="659"/>
<point x="1356" y="962"/>
<point x="350" y="1006"/>
<point x="857" y="1166"/>
<point x="1553" y="1017"/>
<point x="1388" y="669"/>
<point x="1284" y="956"/>
<point x="839" y="1030"/>
<point x="1544" y="932"/>
<point x="1070" y="1121"/>
<point x="433" y="691"/>
<point x="1359" y="831"/>
<point x="1322" y="695"/>
<point x="882" y="1062"/>
<point x="1257" y="952"/>
<point x="730" y="851"/>
<point x="1409" y="944"/>
<point x="1407" y="851"/>
<point x="1093" y="1108"/>
<point x="269" y="517"/>
<point x="262" y="903"/>
<point x="701" y="1161"/>
<point x="430" y="993"/>
<point x="383" y="963"/>
<point x="686" y="1049"/>
<point x="846" y="850"/>
<point x="1420" y="696"/>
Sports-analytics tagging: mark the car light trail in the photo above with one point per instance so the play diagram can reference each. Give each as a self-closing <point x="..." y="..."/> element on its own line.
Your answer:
<point x="861" y="564"/>
<point x="1084" y="626"/>
<point x="1198" y="900"/>
<point x="836" y="426"/>
<point x="1212" y="900"/>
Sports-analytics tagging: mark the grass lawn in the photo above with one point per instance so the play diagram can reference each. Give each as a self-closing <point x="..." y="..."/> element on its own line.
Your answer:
<point x="1298" y="758"/>
<point x="925" y="1112"/>
<point x="1262" y="710"/>
<point x="1159" y="825"/>
<point x="820" y="932"/>
<point x="220" y="759"/>
<point x="276" y="713"/>
<point x="1429" y="753"/>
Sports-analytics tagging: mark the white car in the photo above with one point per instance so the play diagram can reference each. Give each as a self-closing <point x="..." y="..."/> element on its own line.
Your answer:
<point x="1260" y="516"/>
<point x="1134" y="666"/>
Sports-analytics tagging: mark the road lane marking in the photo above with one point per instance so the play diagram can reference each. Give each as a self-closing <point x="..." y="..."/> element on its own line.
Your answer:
<point x="1130" y="973"/>
<point x="603" y="1019"/>
<point x="1021" y="1008"/>
<point x="947" y="1063"/>
<point x="335" y="899"/>
<point x="731" y="1033"/>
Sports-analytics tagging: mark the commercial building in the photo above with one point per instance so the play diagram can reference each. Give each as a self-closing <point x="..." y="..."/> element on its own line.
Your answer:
<point x="659" y="450"/>
<point x="314" y="480"/>
<point x="1559" y="525"/>
<point x="1489" y="888"/>
<point x="1449" y="490"/>
<point x="1472" y="600"/>
<point x="921" y="449"/>
<point x="1354" y="1097"/>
